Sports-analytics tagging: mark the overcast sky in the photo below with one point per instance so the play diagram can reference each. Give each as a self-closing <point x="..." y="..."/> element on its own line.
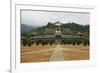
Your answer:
<point x="39" y="18"/>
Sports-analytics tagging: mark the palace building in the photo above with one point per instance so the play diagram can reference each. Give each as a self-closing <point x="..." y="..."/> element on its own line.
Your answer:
<point x="56" y="34"/>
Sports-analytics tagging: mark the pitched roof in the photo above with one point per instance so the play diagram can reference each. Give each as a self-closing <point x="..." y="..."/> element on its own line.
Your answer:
<point x="53" y="36"/>
<point x="58" y="23"/>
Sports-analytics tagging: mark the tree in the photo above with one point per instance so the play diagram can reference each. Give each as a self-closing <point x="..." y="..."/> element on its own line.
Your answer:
<point x="29" y="42"/>
<point x="24" y="42"/>
<point x="85" y="42"/>
<point x="37" y="42"/>
<point x="50" y="25"/>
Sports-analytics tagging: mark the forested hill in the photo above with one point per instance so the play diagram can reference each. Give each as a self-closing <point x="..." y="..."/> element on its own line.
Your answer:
<point x="67" y="28"/>
<point x="74" y="27"/>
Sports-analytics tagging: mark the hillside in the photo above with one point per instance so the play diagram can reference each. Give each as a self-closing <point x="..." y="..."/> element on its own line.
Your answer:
<point x="25" y="28"/>
<point x="65" y="28"/>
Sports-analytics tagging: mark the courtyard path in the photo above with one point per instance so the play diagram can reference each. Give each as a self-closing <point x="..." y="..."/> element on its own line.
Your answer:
<point x="57" y="54"/>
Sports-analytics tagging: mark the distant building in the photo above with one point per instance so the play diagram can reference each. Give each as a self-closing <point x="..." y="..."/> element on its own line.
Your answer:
<point x="58" y="24"/>
<point x="49" y="31"/>
<point x="34" y="34"/>
<point x="67" y="31"/>
<point x="56" y="34"/>
<point x="80" y="34"/>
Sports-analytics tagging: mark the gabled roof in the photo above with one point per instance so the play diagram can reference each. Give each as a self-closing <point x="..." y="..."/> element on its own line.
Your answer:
<point x="43" y="36"/>
<point x="58" y="23"/>
<point x="53" y="36"/>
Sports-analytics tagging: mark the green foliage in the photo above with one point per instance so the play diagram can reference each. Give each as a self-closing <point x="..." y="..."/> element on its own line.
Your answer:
<point x="79" y="42"/>
<point x="51" y="42"/>
<point x="43" y="42"/>
<point x="33" y="42"/>
<point x="74" y="27"/>
<point x="24" y="42"/>
<point x="85" y="42"/>
<point x="41" y="30"/>
<point x="72" y="41"/>
<point x="37" y="42"/>
<point x="50" y="25"/>
<point x="67" y="41"/>
<point x="29" y="42"/>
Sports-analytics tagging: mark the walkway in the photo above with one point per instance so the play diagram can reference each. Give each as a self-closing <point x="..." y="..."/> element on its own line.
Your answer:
<point x="57" y="54"/>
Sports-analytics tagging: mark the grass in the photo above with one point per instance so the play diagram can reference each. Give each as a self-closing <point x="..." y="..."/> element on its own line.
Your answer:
<point x="78" y="52"/>
<point x="81" y="46"/>
<point x="35" y="48"/>
<point x="36" y="57"/>
<point x="76" y="55"/>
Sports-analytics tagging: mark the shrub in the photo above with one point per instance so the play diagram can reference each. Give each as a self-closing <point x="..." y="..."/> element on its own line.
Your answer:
<point x="64" y="42"/>
<point x="37" y="42"/>
<point x="24" y="42"/>
<point x="79" y="42"/>
<point x="29" y="42"/>
<point x="86" y="42"/>
<point x="33" y="42"/>
<point x="43" y="43"/>
<point x="73" y="43"/>
<point x="68" y="42"/>
<point x="51" y="42"/>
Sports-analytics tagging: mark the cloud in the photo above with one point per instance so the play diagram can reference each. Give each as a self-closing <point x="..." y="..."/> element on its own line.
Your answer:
<point x="39" y="18"/>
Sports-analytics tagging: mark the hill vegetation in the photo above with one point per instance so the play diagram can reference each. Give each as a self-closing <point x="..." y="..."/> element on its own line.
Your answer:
<point x="49" y="29"/>
<point x="71" y="27"/>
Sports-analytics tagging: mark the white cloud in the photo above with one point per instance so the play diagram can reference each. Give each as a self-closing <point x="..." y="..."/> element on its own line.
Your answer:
<point x="42" y="17"/>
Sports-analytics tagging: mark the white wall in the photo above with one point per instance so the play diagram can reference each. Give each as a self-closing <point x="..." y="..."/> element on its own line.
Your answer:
<point x="5" y="34"/>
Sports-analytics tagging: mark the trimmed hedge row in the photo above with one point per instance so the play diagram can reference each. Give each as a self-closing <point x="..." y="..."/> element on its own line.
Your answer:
<point x="44" y="42"/>
<point x="76" y="41"/>
<point x="29" y="42"/>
